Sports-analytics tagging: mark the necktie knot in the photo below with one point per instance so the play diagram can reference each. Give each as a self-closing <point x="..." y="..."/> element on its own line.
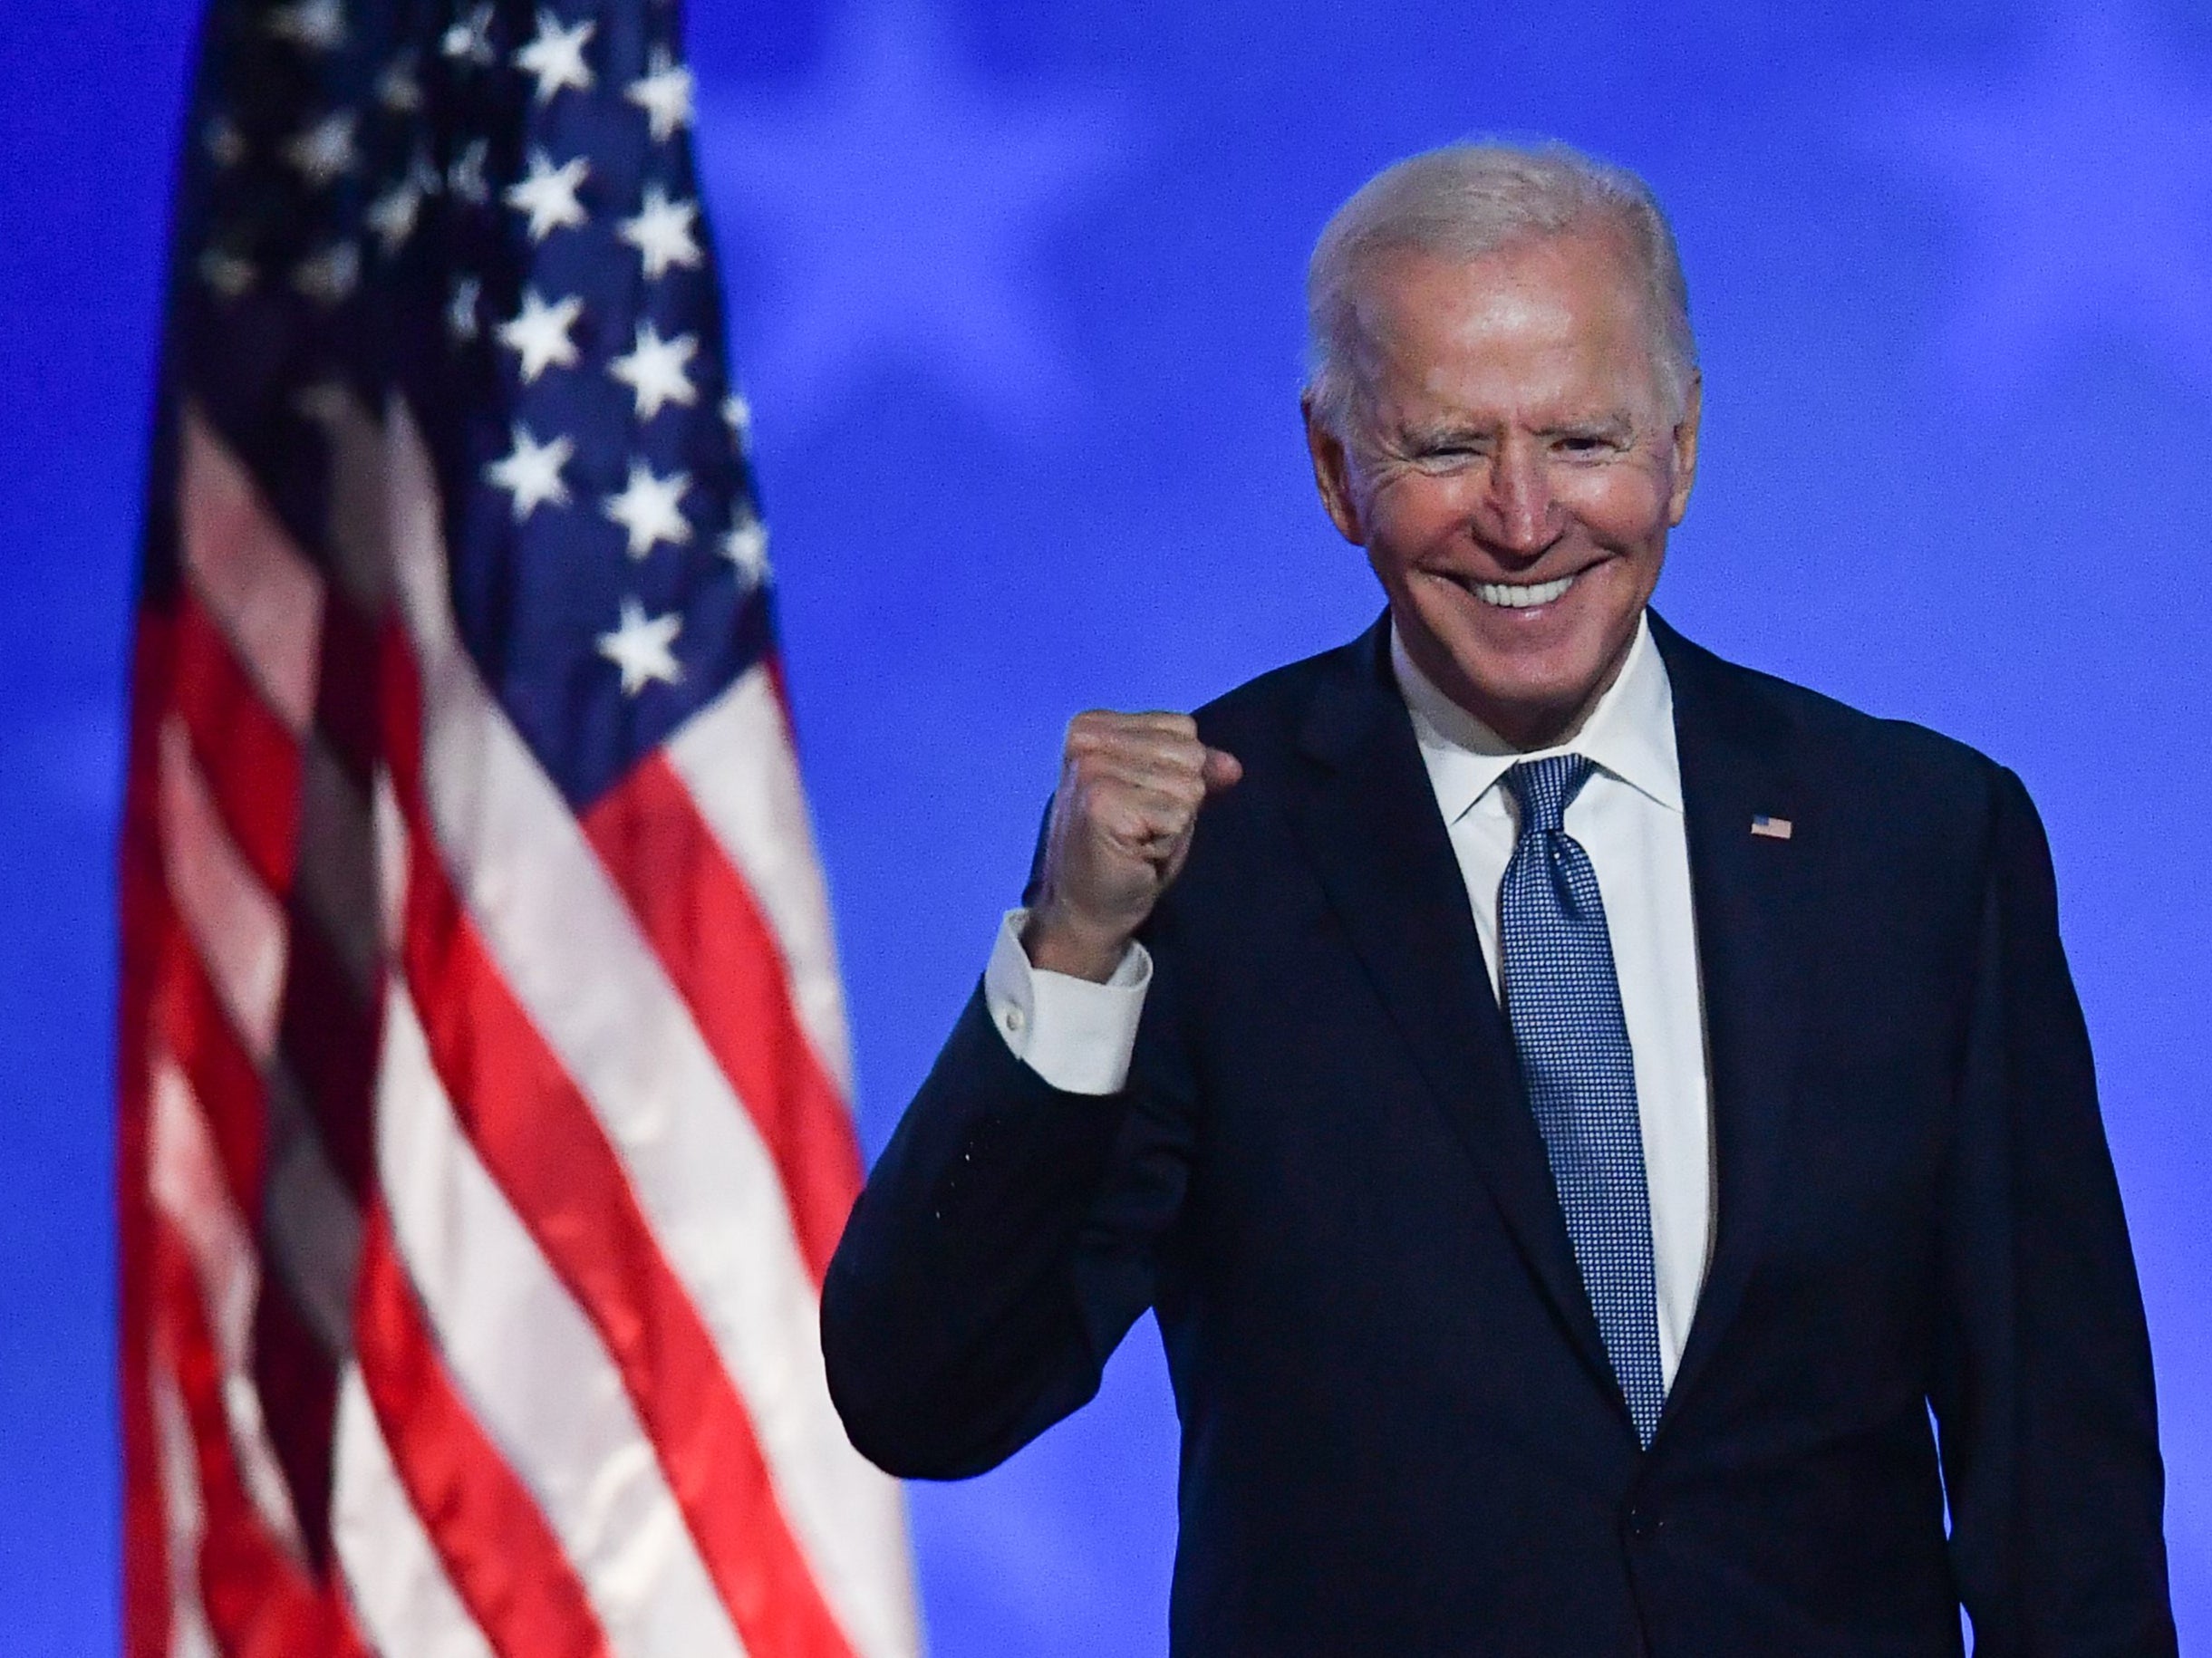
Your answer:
<point x="1545" y="789"/>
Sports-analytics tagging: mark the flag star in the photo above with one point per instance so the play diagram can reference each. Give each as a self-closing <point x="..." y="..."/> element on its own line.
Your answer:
<point x="557" y="56"/>
<point x="746" y="545"/>
<point x="330" y="275"/>
<point x="538" y="334"/>
<point x="324" y="152"/>
<point x="462" y="310"/>
<point x="639" y="646"/>
<point x="226" y="273"/>
<point x="469" y="39"/>
<point x="225" y="144"/>
<point x="661" y="232"/>
<point x="319" y="26"/>
<point x="664" y="93"/>
<point x="738" y="413"/>
<point x="531" y="472"/>
<point x="397" y="89"/>
<point x="465" y="178"/>
<point x="650" y="509"/>
<point x="549" y="193"/>
<point x="653" y="371"/>
<point x="392" y="215"/>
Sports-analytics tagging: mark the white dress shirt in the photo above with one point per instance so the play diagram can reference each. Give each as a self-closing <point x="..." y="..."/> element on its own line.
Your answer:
<point x="1079" y="1036"/>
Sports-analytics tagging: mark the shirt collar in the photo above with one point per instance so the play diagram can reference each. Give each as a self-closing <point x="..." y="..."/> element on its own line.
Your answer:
<point x="1629" y="734"/>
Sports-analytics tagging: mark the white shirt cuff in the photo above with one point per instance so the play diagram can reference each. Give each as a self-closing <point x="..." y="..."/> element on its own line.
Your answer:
<point x="1075" y="1033"/>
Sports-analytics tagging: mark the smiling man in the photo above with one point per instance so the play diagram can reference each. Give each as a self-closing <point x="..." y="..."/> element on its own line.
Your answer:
<point x="1608" y="1136"/>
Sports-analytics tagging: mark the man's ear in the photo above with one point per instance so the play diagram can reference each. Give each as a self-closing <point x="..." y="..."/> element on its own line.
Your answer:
<point x="1686" y="450"/>
<point x="1332" y="475"/>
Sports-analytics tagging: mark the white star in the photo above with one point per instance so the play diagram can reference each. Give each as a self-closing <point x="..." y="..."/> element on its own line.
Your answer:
<point x="746" y="545"/>
<point x="465" y="178"/>
<point x="2082" y="181"/>
<point x="531" y="472"/>
<point x="557" y="56"/>
<point x="324" y="152"/>
<point x="318" y="25"/>
<point x="653" y="371"/>
<point x="549" y="193"/>
<point x="650" y="510"/>
<point x="469" y="39"/>
<point x="738" y="414"/>
<point x="900" y="202"/>
<point x="462" y="310"/>
<point x="226" y="272"/>
<point x="392" y="215"/>
<point x="640" y="645"/>
<point x="330" y="275"/>
<point x="664" y="93"/>
<point x="538" y="333"/>
<point x="397" y="89"/>
<point x="225" y="144"/>
<point x="661" y="232"/>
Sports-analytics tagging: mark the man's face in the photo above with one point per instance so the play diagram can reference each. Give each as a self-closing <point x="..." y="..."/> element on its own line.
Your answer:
<point x="1514" y="465"/>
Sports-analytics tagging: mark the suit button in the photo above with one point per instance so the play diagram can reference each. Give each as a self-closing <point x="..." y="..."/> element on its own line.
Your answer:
<point x="1643" y="1525"/>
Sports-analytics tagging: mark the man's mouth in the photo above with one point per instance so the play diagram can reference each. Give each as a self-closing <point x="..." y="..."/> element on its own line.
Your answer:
<point x="1521" y="595"/>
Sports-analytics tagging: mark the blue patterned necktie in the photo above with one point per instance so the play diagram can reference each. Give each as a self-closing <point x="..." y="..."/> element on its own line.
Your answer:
<point x="1562" y="1000"/>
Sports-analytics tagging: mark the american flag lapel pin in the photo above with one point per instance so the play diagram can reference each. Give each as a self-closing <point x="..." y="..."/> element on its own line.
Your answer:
<point x="1774" y="828"/>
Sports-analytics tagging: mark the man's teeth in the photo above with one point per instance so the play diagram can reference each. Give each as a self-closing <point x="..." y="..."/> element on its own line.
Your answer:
<point x="1520" y="596"/>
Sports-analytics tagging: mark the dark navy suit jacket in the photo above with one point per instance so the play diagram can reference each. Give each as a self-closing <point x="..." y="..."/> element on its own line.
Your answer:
<point x="1400" y="1434"/>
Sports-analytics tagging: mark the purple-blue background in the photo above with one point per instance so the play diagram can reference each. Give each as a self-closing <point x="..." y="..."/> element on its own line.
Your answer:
<point x="1015" y="288"/>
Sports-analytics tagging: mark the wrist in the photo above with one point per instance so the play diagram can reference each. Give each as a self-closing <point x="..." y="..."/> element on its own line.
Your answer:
<point x="1058" y="942"/>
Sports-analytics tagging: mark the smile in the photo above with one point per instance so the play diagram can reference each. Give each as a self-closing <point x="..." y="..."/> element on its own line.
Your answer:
<point x="1521" y="595"/>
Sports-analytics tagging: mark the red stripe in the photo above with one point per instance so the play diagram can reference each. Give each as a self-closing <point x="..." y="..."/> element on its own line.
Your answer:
<point x="540" y="1141"/>
<point x="500" y="1556"/>
<point x="260" y="1603"/>
<point x="701" y="918"/>
<point x="195" y="1030"/>
<point x="147" y="927"/>
<point x="250" y="758"/>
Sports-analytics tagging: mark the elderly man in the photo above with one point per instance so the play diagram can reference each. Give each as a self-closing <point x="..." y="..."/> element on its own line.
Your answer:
<point x="1608" y="1136"/>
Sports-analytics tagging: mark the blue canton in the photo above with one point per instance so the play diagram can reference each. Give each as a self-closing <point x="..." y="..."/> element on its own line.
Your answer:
<point x="491" y="206"/>
<point x="1562" y="1000"/>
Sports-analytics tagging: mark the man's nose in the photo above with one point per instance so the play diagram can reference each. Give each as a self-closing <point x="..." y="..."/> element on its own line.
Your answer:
<point x="1519" y="515"/>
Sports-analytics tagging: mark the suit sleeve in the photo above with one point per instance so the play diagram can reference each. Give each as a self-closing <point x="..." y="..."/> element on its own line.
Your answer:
<point x="2043" y="1393"/>
<point x="1006" y="1239"/>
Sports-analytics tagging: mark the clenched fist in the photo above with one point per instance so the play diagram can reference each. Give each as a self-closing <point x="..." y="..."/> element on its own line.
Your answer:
<point x="1131" y="786"/>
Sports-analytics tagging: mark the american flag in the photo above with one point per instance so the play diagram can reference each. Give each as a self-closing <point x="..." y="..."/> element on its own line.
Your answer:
<point x="483" y="1066"/>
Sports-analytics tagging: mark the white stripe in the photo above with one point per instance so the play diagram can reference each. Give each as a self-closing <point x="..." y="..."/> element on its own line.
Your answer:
<point x="572" y="954"/>
<point x="393" y="1577"/>
<point x="735" y="758"/>
<point x="188" y="1187"/>
<point x="532" y="1369"/>
<point x="185" y="1521"/>
<point x="238" y="928"/>
<point x="266" y="598"/>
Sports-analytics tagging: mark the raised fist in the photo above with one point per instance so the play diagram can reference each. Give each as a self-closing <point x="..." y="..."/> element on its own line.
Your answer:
<point x="1131" y="786"/>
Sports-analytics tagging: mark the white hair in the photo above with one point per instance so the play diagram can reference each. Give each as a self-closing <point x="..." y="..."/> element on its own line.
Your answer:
<point x="1468" y="200"/>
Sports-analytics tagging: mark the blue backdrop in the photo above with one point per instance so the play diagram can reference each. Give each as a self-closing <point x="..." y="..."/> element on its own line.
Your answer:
<point x="1015" y="287"/>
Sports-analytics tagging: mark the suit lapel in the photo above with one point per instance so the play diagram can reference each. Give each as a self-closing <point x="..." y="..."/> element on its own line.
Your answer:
<point x="1370" y="823"/>
<point x="1752" y="896"/>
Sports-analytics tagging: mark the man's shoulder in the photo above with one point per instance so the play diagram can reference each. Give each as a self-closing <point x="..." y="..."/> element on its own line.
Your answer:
<point x="1878" y="759"/>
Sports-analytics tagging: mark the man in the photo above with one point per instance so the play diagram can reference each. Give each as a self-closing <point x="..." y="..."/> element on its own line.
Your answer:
<point x="1576" y="1108"/>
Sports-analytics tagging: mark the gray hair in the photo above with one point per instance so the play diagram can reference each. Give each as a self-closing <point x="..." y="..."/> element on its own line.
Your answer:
<point x="1468" y="200"/>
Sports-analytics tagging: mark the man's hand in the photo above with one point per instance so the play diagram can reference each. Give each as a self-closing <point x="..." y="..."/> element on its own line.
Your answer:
<point x="1131" y="786"/>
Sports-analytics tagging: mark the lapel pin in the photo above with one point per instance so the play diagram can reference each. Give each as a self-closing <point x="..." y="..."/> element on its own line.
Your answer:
<point x="1774" y="828"/>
